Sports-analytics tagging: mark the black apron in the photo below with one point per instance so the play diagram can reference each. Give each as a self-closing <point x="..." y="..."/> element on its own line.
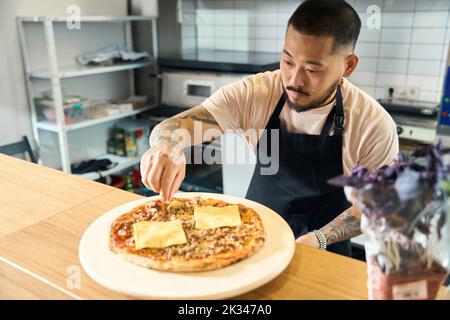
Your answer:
<point x="299" y="191"/>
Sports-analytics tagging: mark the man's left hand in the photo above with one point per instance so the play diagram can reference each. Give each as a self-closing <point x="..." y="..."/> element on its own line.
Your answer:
<point x="310" y="240"/>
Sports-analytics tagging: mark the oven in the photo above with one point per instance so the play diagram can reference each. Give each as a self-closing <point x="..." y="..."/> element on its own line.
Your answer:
<point x="187" y="89"/>
<point x="416" y="121"/>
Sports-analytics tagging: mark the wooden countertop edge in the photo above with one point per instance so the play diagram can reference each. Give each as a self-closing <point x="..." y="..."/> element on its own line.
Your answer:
<point x="16" y="271"/>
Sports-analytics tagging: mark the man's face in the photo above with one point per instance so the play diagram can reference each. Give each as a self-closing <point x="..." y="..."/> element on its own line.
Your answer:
<point x="310" y="70"/>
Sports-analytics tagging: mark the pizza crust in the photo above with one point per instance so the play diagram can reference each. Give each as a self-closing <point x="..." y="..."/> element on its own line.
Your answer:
<point x="191" y="265"/>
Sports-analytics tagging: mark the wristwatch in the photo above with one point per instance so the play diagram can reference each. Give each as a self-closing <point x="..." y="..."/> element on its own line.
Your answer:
<point x="322" y="239"/>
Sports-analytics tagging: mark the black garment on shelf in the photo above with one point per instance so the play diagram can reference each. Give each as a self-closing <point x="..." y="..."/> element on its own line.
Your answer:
<point x="92" y="166"/>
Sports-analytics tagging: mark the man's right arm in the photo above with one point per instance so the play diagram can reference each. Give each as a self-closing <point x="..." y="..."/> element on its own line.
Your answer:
<point x="163" y="166"/>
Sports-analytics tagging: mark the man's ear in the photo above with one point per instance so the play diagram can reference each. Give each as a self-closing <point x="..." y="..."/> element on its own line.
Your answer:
<point x="352" y="62"/>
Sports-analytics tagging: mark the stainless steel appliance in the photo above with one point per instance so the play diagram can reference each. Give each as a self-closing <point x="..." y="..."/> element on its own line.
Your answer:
<point x="187" y="89"/>
<point x="416" y="120"/>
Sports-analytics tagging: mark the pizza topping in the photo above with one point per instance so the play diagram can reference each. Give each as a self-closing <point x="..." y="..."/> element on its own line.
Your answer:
<point x="208" y="217"/>
<point x="188" y="224"/>
<point x="123" y="233"/>
<point x="194" y="237"/>
<point x="157" y="205"/>
<point x="177" y="207"/>
<point x="130" y="243"/>
<point x="157" y="234"/>
<point x="235" y="237"/>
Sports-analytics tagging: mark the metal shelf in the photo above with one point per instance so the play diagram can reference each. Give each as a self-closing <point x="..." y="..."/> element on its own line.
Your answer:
<point x="86" y="18"/>
<point x="50" y="126"/>
<point x="56" y="73"/>
<point x="122" y="164"/>
<point x="79" y="71"/>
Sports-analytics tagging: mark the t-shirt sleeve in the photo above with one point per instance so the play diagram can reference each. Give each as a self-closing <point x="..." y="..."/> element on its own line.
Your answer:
<point x="228" y="105"/>
<point x="382" y="147"/>
<point x="246" y="104"/>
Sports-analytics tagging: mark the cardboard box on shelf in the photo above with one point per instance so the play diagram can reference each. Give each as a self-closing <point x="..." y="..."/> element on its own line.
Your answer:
<point x="125" y="107"/>
<point x="136" y="102"/>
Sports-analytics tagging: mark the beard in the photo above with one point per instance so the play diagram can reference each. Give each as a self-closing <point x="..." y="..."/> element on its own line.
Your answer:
<point x="318" y="103"/>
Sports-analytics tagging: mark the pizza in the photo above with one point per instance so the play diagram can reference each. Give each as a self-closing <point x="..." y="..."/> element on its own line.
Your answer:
<point x="187" y="235"/>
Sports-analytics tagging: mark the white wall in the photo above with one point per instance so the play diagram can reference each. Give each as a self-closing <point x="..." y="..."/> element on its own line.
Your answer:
<point x="14" y="113"/>
<point x="410" y="48"/>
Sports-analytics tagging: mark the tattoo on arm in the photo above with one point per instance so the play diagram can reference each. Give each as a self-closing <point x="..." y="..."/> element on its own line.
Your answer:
<point x="165" y="133"/>
<point x="343" y="227"/>
<point x="200" y="114"/>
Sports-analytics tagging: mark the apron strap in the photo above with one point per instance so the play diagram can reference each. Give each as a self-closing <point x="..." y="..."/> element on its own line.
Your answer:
<point x="273" y="123"/>
<point x="335" y="116"/>
<point x="274" y="119"/>
<point x="327" y="126"/>
<point x="339" y="116"/>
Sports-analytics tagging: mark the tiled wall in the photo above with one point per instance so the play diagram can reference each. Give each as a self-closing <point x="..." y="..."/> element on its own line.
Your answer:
<point x="410" y="47"/>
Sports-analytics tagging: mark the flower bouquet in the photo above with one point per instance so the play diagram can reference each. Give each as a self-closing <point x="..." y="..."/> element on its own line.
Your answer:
<point x="405" y="219"/>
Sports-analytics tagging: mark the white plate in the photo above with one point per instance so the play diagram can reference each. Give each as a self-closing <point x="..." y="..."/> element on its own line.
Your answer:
<point x="114" y="273"/>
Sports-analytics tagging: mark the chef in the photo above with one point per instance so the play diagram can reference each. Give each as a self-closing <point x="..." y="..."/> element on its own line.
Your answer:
<point x="326" y="125"/>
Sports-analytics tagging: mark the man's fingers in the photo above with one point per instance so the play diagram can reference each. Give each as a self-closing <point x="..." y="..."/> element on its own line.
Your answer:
<point x="154" y="176"/>
<point x="176" y="183"/>
<point x="167" y="178"/>
<point x="146" y="165"/>
<point x="158" y="172"/>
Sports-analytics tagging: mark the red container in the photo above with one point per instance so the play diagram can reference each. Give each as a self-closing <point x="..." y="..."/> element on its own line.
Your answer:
<point x="398" y="286"/>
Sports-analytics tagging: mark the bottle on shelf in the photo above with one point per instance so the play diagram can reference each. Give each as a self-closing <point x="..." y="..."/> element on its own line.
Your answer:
<point x="130" y="144"/>
<point x="129" y="184"/>
<point x="119" y="136"/>
<point x="111" y="146"/>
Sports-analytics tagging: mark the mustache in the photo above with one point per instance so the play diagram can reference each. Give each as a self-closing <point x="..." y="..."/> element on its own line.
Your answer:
<point x="298" y="90"/>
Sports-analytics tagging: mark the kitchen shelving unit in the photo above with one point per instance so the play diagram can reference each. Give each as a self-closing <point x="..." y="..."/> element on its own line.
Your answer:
<point x="56" y="74"/>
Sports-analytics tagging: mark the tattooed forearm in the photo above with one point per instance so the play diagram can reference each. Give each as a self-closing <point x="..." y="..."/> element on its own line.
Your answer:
<point x="167" y="134"/>
<point x="163" y="132"/>
<point x="200" y="114"/>
<point x="343" y="227"/>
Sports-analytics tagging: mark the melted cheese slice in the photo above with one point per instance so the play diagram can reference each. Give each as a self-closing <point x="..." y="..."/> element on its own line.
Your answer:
<point x="208" y="217"/>
<point x="158" y="234"/>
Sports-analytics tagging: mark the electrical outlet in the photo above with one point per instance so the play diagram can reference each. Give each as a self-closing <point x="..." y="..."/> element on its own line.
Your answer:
<point x="399" y="92"/>
<point x="412" y="93"/>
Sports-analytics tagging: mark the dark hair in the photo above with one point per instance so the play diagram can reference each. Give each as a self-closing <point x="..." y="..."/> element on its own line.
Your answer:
<point x="332" y="18"/>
